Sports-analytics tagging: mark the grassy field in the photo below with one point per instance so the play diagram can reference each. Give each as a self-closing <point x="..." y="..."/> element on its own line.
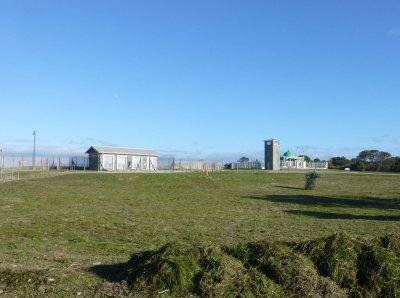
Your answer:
<point x="53" y="230"/>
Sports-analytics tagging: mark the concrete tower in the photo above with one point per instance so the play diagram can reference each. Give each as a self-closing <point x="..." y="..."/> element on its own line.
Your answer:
<point x="272" y="155"/>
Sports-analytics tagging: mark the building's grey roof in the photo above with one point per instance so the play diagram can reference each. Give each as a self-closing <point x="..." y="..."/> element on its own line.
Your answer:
<point x="118" y="150"/>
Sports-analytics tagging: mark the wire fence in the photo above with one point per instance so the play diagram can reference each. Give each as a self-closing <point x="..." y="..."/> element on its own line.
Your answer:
<point x="15" y="167"/>
<point x="11" y="174"/>
<point x="9" y="162"/>
<point x="257" y="165"/>
<point x="44" y="163"/>
<point x="173" y="164"/>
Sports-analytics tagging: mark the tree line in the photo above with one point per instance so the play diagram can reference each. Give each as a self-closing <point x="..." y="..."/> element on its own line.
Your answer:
<point x="367" y="160"/>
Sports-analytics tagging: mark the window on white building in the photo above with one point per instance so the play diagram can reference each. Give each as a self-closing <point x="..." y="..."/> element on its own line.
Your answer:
<point x="108" y="162"/>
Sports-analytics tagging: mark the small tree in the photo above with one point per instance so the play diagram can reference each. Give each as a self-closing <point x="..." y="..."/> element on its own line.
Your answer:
<point x="311" y="177"/>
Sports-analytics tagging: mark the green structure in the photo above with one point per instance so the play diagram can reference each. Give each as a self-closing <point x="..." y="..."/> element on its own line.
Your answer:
<point x="290" y="160"/>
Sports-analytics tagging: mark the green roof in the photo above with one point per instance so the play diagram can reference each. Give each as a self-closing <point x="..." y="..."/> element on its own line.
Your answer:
<point x="289" y="154"/>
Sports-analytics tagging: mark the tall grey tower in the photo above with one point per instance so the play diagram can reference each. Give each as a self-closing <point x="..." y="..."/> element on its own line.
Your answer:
<point x="272" y="155"/>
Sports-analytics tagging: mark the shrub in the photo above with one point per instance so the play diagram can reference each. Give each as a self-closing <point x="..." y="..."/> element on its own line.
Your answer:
<point x="311" y="177"/>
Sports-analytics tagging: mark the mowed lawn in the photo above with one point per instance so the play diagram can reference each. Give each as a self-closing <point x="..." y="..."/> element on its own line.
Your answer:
<point x="68" y="223"/>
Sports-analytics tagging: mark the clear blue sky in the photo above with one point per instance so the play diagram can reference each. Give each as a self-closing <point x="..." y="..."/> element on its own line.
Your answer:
<point x="201" y="79"/>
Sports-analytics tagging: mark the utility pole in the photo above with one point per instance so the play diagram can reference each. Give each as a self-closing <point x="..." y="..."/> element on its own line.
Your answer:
<point x="2" y="164"/>
<point x="34" y="149"/>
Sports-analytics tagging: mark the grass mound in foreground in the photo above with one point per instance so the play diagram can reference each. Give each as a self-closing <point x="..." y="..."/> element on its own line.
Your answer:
<point x="364" y="268"/>
<point x="180" y="270"/>
<point x="391" y="242"/>
<point x="294" y="272"/>
<point x="379" y="272"/>
<point x="172" y="269"/>
<point x="335" y="257"/>
<point x="336" y="266"/>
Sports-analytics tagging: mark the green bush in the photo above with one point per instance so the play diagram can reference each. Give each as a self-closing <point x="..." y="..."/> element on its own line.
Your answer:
<point x="311" y="177"/>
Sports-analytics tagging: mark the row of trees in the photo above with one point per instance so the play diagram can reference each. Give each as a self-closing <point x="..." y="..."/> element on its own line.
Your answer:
<point x="367" y="160"/>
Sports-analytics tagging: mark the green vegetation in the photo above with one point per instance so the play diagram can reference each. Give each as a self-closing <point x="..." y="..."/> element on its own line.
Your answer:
<point x="367" y="160"/>
<point x="182" y="270"/>
<point x="311" y="179"/>
<point x="188" y="233"/>
<point x="335" y="266"/>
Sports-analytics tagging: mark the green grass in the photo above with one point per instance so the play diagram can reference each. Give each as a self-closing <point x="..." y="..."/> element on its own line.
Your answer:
<point x="58" y="227"/>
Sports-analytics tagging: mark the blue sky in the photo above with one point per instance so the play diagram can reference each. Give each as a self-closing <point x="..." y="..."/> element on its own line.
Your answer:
<point x="200" y="79"/>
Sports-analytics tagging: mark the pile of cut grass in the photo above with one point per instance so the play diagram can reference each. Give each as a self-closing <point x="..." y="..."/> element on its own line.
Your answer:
<point x="391" y="242"/>
<point x="293" y="271"/>
<point x="335" y="256"/>
<point x="180" y="270"/>
<point x="363" y="268"/>
<point x="336" y="266"/>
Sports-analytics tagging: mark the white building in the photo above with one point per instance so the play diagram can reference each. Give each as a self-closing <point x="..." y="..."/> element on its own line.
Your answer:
<point x="290" y="161"/>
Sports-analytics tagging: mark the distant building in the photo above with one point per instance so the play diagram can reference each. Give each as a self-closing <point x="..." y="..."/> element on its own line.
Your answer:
<point x="290" y="161"/>
<point x="273" y="160"/>
<point x="105" y="158"/>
